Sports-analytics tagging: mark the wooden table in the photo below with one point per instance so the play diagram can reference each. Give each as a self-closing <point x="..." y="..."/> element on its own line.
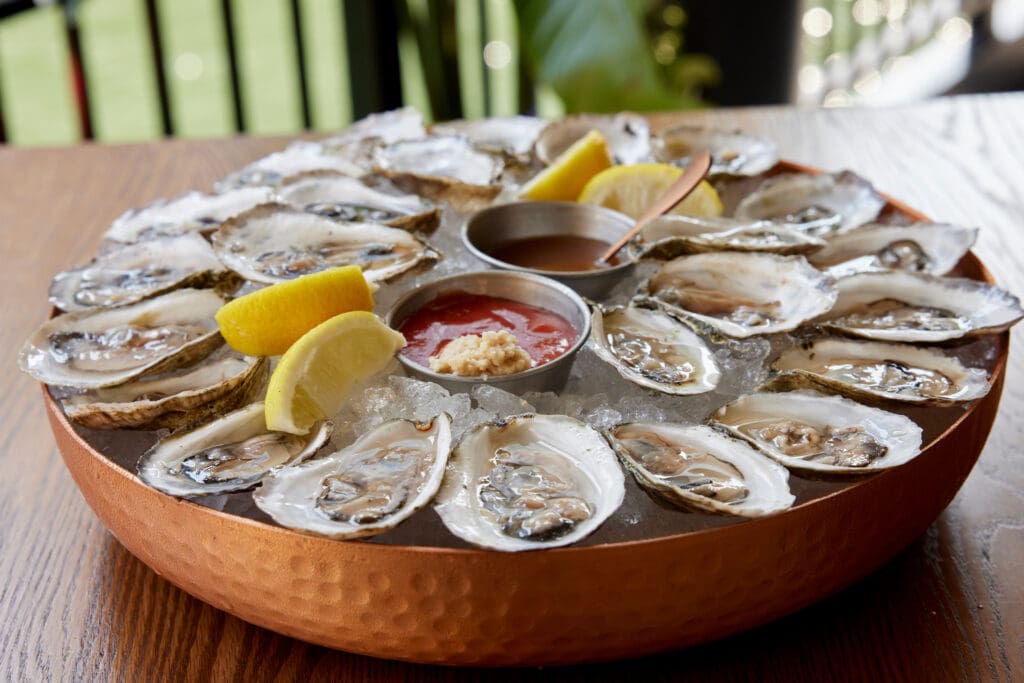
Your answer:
<point x="74" y="605"/>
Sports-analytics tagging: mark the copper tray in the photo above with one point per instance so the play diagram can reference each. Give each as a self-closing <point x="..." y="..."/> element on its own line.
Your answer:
<point x="590" y="603"/>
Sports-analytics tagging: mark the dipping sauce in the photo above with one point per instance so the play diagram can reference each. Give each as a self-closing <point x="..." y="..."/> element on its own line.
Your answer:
<point x="562" y="253"/>
<point x="544" y="335"/>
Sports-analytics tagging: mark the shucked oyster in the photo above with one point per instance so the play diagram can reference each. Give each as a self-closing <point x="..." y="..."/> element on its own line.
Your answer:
<point x="910" y="307"/>
<point x="817" y="203"/>
<point x="674" y="235"/>
<point x="732" y="152"/>
<point x="405" y="123"/>
<point x="344" y="198"/>
<point x="529" y="482"/>
<point x="191" y="212"/>
<point x="366" y="488"/>
<point x="628" y="136"/>
<point x="232" y="453"/>
<point x="181" y="398"/>
<point x="650" y="348"/>
<point x="443" y="168"/>
<point x="933" y="248"/>
<point x="274" y="243"/>
<point x="298" y="157"/>
<point x="511" y="136"/>
<point x="699" y="468"/>
<point x="808" y="431"/>
<point x="744" y="294"/>
<point x="103" y="348"/>
<point x="871" y="370"/>
<point x="142" y="270"/>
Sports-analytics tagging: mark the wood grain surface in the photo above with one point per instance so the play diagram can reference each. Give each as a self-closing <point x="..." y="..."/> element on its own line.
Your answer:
<point x="74" y="605"/>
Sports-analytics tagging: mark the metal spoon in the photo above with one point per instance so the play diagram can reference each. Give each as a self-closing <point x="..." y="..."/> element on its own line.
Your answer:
<point x="694" y="172"/>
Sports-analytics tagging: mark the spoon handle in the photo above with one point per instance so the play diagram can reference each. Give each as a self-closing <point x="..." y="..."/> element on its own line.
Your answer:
<point x="694" y="172"/>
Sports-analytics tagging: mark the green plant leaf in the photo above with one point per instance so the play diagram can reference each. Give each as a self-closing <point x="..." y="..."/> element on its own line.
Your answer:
<point x="595" y="55"/>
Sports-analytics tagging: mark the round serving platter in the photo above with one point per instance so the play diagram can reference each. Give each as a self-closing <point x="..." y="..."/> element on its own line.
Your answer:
<point x="587" y="603"/>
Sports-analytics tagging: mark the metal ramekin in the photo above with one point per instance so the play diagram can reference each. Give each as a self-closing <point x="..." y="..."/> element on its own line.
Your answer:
<point x="493" y="227"/>
<point x="522" y="287"/>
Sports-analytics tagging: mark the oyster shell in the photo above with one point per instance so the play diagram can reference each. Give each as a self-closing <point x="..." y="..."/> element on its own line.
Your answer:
<point x="933" y="248"/>
<point x="445" y="168"/>
<point x="699" y="468"/>
<point x="366" y="488"/>
<point x="732" y="152"/>
<point x="405" y="123"/>
<point x="743" y="294"/>
<point x="142" y="270"/>
<point x="651" y="349"/>
<point x="529" y="482"/>
<point x="232" y="453"/>
<point x="273" y="243"/>
<point x="873" y="370"/>
<point x="628" y="136"/>
<point x="179" y="399"/>
<point x="911" y="307"/>
<point x="510" y="136"/>
<point x="820" y="204"/>
<point x="674" y="235"/>
<point x="341" y="197"/>
<point x="298" y="157"/>
<point x="829" y="435"/>
<point x="103" y="348"/>
<point x="190" y="212"/>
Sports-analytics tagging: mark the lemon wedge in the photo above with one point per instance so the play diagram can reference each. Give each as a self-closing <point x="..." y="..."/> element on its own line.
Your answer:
<point x="266" y="322"/>
<point x="566" y="176"/>
<point x="316" y="375"/>
<point x="632" y="189"/>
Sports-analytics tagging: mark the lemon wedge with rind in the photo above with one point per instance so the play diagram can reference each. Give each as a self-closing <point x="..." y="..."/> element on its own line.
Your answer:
<point x="632" y="189"/>
<point x="317" y="374"/>
<point x="568" y="174"/>
<point x="268" y="321"/>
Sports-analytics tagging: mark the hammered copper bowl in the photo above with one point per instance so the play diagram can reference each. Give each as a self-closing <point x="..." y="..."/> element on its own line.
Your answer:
<point x="478" y="607"/>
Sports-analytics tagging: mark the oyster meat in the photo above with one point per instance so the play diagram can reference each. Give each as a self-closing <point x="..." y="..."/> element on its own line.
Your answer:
<point x="142" y="270"/>
<point x="273" y="243"/>
<point x="232" y="453"/>
<point x="191" y="212"/>
<point x="700" y="468"/>
<point x="181" y="398"/>
<point x="298" y="157"/>
<point x="344" y="198"/>
<point x="654" y="350"/>
<point x="442" y="168"/>
<point x="933" y="248"/>
<point x="810" y="432"/>
<point x="103" y="348"/>
<point x="628" y="136"/>
<point x="732" y="152"/>
<point x="911" y="307"/>
<point x="674" y="235"/>
<point x="820" y="204"/>
<point x="529" y="482"/>
<point x="742" y="294"/>
<point x="873" y="370"/>
<point x="510" y="136"/>
<point x="366" y="488"/>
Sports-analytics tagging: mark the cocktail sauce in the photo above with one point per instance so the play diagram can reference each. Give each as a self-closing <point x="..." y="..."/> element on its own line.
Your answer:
<point x="563" y="253"/>
<point x="543" y="334"/>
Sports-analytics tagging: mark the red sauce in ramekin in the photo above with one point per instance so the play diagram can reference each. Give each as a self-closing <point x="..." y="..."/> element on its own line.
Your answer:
<point x="544" y="335"/>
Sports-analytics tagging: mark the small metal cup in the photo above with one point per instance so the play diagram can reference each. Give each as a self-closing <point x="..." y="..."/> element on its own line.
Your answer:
<point x="488" y="230"/>
<point x="522" y="287"/>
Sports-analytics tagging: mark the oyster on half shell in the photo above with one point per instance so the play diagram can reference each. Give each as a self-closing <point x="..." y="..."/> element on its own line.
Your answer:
<point x="700" y="468"/>
<point x="529" y="482"/>
<point x="873" y="370"/>
<point x="673" y="235"/>
<point x="654" y="350"/>
<point x="103" y="348"/>
<point x="232" y="453"/>
<point x="732" y="152"/>
<point x="366" y="488"/>
<point x="902" y="306"/>
<point x="827" y="435"/>
<point x="627" y="135"/>
<point x="273" y="243"/>
<point x="299" y="157"/>
<point x="142" y="270"/>
<point x="510" y="136"/>
<point x="933" y="248"/>
<point x="743" y="294"/>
